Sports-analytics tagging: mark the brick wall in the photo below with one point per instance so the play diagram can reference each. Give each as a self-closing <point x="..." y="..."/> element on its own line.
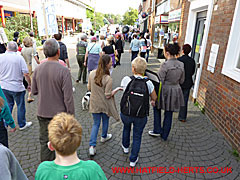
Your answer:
<point x="218" y="94"/>
<point x="183" y="22"/>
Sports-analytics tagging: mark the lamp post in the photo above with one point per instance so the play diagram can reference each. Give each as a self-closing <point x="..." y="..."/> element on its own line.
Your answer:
<point x="30" y="13"/>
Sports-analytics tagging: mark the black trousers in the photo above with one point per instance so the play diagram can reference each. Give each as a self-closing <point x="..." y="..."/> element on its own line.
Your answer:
<point x="182" y="115"/>
<point x="3" y="134"/>
<point x="134" y="55"/>
<point x="119" y="57"/>
<point x="82" y="69"/>
<point x="45" y="153"/>
<point x="142" y="54"/>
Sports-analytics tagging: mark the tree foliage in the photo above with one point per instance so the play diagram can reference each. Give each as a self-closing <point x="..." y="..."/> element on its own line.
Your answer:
<point x="113" y="19"/>
<point x="99" y="20"/>
<point x="130" y="16"/>
<point x="20" y="23"/>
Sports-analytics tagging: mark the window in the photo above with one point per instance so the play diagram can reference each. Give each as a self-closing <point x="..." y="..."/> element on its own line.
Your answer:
<point x="238" y="63"/>
<point x="231" y="65"/>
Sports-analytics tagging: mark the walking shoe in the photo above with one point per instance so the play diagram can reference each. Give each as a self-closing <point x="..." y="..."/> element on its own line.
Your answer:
<point x="133" y="164"/>
<point x="28" y="124"/>
<point x="182" y="120"/>
<point x="109" y="136"/>
<point x="125" y="150"/>
<point x="92" y="151"/>
<point x="151" y="133"/>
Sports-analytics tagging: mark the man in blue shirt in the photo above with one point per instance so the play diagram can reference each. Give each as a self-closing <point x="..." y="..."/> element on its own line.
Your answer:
<point x="134" y="47"/>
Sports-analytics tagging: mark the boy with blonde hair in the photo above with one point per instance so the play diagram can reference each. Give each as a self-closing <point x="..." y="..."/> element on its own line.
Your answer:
<point x="65" y="134"/>
<point x="135" y="107"/>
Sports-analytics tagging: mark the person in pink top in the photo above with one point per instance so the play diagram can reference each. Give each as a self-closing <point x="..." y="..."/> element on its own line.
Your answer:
<point x="60" y="61"/>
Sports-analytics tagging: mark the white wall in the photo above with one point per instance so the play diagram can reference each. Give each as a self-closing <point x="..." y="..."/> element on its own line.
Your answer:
<point x="195" y="7"/>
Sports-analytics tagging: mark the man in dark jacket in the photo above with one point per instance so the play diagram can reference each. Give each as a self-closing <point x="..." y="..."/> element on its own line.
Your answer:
<point x="119" y="47"/>
<point x="63" y="49"/>
<point x="189" y="68"/>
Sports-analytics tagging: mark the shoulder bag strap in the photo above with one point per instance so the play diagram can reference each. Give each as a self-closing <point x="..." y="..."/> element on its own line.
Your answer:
<point x="91" y="48"/>
<point x="159" y="91"/>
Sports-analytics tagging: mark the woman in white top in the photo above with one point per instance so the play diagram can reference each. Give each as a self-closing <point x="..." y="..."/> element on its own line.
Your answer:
<point x="149" y="44"/>
<point x="143" y="46"/>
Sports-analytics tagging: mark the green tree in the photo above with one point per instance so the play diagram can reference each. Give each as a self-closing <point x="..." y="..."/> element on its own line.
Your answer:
<point x="90" y="13"/>
<point x="130" y="16"/>
<point x="114" y="19"/>
<point x="20" y="23"/>
<point x="99" y="20"/>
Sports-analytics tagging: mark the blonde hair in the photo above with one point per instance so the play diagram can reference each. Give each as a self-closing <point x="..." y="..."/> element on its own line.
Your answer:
<point x="64" y="133"/>
<point x="140" y="65"/>
<point x="28" y="42"/>
<point x="102" y="37"/>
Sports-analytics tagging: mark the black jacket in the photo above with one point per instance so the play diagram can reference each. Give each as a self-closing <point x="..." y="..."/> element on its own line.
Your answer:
<point x="189" y="68"/>
<point x="119" y="46"/>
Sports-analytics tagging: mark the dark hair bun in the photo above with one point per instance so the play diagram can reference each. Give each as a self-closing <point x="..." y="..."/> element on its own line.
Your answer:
<point x="173" y="49"/>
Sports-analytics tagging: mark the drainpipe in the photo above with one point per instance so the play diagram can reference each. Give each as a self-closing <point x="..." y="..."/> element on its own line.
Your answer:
<point x="3" y="16"/>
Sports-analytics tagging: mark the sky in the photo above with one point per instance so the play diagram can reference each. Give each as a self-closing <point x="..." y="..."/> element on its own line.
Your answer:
<point x="116" y="6"/>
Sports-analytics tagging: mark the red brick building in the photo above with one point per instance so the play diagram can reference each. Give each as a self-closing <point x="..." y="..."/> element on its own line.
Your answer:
<point x="212" y="28"/>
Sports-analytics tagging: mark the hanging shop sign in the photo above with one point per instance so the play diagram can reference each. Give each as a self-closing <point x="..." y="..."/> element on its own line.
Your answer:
<point x="175" y="15"/>
<point x="164" y="19"/>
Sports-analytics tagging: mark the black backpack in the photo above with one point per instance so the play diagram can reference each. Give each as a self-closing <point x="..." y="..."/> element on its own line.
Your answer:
<point x="135" y="99"/>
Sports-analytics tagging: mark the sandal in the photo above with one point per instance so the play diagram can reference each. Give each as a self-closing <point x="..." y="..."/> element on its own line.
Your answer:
<point x="30" y="100"/>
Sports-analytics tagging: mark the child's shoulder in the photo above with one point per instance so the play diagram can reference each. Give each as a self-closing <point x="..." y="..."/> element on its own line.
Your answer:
<point x="90" y="163"/>
<point x="45" y="164"/>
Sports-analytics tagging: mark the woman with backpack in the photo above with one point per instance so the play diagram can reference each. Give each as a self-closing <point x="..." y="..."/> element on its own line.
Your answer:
<point x="135" y="107"/>
<point x="171" y="74"/>
<point x="81" y="51"/>
<point x="102" y="104"/>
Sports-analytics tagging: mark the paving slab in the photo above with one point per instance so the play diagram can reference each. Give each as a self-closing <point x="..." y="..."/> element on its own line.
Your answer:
<point x="192" y="144"/>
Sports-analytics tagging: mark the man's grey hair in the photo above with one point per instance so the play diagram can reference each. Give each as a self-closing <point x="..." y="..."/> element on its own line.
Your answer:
<point x="83" y="37"/>
<point x="50" y="47"/>
<point x="12" y="46"/>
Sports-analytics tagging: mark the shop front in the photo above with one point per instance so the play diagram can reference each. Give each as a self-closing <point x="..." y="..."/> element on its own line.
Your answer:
<point x="174" y="25"/>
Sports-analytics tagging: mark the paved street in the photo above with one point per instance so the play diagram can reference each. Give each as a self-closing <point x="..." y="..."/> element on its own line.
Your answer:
<point x="195" y="143"/>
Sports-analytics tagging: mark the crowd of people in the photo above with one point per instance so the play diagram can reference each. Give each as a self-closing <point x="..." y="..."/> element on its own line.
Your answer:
<point x="51" y="80"/>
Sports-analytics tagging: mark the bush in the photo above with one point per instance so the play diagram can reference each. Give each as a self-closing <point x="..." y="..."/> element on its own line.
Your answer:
<point x="21" y="23"/>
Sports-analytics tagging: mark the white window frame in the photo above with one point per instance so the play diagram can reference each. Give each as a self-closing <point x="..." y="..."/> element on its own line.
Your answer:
<point x="232" y="55"/>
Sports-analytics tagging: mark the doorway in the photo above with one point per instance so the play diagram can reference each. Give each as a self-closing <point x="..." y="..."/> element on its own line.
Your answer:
<point x="198" y="38"/>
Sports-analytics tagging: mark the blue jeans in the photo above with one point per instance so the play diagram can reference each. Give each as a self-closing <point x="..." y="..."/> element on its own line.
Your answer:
<point x="138" y="126"/>
<point x="182" y="115"/>
<point x="147" y="55"/>
<point x="97" y="120"/>
<point x="167" y="123"/>
<point x="19" y="97"/>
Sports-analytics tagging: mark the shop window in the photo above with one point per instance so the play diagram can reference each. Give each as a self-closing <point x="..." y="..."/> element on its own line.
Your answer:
<point x="231" y="65"/>
<point x="238" y="63"/>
